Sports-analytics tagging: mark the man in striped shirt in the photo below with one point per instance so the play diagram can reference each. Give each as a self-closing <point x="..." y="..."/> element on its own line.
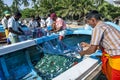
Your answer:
<point x="107" y="38"/>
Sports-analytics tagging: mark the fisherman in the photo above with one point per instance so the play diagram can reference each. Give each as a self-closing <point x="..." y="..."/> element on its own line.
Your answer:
<point x="38" y="19"/>
<point x="49" y="21"/>
<point x="39" y="30"/>
<point x="5" y="24"/>
<point x="42" y="23"/>
<point x="58" y="24"/>
<point x="107" y="38"/>
<point x="33" y="23"/>
<point x="15" y="28"/>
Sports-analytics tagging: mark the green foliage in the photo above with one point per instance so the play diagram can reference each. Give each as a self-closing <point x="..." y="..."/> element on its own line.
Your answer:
<point x="114" y="15"/>
<point x="68" y="9"/>
<point x="72" y="9"/>
<point x="26" y="13"/>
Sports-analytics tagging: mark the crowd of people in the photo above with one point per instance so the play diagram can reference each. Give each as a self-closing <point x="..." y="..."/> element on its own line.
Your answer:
<point x="36" y="27"/>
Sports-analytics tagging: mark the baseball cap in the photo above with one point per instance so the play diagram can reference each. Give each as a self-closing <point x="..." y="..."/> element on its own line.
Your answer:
<point x="7" y="14"/>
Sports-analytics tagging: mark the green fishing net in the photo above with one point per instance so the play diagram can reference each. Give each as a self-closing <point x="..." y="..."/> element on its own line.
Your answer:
<point x="51" y="66"/>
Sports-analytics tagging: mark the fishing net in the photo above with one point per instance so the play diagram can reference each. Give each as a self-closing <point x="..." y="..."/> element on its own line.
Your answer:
<point x="51" y="65"/>
<point x="59" y="56"/>
<point x="59" y="48"/>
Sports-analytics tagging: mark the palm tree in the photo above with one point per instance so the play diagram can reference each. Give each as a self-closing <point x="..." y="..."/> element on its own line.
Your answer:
<point x="17" y="3"/>
<point x="45" y="6"/>
<point x="103" y="8"/>
<point x="69" y="8"/>
<point x="3" y="7"/>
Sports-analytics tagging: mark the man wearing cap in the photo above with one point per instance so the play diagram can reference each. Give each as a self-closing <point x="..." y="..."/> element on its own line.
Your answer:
<point x="58" y="24"/>
<point x="5" y="24"/>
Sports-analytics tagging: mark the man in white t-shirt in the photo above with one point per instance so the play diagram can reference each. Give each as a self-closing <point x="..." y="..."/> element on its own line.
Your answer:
<point x="14" y="27"/>
<point x="49" y="21"/>
<point x="32" y="23"/>
<point x="42" y="23"/>
<point x="5" y="25"/>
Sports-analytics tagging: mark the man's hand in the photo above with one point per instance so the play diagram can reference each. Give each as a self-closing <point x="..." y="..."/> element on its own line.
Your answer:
<point x="84" y="44"/>
<point x="90" y="50"/>
<point x="16" y="32"/>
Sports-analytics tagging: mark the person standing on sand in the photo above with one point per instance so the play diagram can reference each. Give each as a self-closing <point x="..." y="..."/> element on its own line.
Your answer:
<point x="107" y="38"/>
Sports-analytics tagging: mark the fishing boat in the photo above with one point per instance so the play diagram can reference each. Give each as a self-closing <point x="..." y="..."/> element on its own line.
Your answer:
<point x="41" y="58"/>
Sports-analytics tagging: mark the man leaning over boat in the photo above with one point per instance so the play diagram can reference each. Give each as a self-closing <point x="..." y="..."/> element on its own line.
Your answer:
<point x="14" y="27"/>
<point x="58" y="25"/>
<point x="107" y="38"/>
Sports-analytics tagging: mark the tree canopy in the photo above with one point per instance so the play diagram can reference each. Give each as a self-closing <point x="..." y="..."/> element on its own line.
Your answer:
<point x="68" y="9"/>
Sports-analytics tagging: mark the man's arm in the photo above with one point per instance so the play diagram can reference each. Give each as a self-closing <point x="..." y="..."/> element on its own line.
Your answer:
<point x="21" y="30"/>
<point x="58" y="29"/>
<point x="90" y="50"/>
<point x="53" y="27"/>
<point x="15" y="32"/>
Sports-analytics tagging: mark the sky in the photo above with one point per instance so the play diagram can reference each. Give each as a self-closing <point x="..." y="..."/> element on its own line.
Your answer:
<point x="110" y="1"/>
<point x="9" y="3"/>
